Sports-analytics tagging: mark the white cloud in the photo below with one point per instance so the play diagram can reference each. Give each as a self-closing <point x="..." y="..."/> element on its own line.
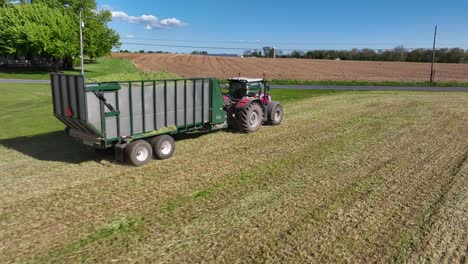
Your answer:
<point x="129" y="36"/>
<point x="150" y="21"/>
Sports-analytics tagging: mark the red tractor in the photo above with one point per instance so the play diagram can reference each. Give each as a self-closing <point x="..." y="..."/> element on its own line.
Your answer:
<point x="249" y="105"/>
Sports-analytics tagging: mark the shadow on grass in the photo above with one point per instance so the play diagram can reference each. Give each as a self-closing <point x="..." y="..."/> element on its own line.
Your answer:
<point x="58" y="147"/>
<point x="54" y="146"/>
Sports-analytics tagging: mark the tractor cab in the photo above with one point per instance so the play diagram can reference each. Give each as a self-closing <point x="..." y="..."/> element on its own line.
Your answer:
<point x="247" y="87"/>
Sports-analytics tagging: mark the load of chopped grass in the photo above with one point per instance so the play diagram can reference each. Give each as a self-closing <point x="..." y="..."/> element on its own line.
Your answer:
<point x="136" y="76"/>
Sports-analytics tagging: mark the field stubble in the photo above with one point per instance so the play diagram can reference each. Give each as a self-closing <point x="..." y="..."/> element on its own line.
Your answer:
<point x="349" y="176"/>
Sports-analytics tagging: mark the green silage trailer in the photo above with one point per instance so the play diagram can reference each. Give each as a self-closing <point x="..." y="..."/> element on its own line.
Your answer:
<point x="115" y="114"/>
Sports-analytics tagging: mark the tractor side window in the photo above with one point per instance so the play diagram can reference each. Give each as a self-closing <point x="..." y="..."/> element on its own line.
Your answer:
<point x="254" y="88"/>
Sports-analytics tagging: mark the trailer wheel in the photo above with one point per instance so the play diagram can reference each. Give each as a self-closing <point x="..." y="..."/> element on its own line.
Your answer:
<point x="250" y="119"/>
<point x="139" y="152"/>
<point x="275" y="115"/>
<point x="163" y="146"/>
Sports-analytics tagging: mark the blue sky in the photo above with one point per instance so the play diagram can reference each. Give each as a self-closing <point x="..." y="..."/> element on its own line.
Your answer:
<point x="293" y="24"/>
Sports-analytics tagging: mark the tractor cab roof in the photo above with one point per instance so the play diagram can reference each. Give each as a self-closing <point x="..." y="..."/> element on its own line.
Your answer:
<point x="247" y="80"/>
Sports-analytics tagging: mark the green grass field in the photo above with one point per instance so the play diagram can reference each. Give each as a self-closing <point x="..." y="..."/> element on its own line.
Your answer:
<point x="348" y="177"/>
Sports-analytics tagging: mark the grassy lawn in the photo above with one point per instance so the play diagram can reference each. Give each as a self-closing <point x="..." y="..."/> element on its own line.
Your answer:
<point x="101" y="67"/>
<point x="348" y="177"/>
<point x="26" y="110"/>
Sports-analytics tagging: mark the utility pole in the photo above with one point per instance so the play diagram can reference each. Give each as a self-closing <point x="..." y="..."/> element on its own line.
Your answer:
<point x="433" y="55"/>
<point x="81" y="44"/>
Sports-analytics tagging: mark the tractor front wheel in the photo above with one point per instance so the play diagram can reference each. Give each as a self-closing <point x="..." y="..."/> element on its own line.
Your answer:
<point x="275" y="115"/>
<point x="250" y="119"/>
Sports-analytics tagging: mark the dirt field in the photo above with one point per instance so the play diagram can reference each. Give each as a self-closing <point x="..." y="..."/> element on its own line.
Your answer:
<point x="298" y="69"/>
<point x="348" y="177"/>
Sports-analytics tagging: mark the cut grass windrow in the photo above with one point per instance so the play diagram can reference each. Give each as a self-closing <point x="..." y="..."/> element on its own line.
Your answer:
<point x="416" y="235"/>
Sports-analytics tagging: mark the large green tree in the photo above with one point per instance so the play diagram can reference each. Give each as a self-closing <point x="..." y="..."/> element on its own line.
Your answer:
<point x="38" y="31"/>
<point x="99" y="39"/>
<point x="50" y="29"/>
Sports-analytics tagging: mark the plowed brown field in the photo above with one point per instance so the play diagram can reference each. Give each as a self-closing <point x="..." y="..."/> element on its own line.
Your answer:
<point x="298" y="69"/>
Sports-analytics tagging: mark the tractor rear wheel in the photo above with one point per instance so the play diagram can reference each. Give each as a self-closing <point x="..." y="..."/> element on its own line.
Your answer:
<point x="250" y="119"/>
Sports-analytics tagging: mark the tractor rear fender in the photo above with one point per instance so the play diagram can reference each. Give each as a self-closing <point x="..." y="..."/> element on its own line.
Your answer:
<point x="246" y="102"/>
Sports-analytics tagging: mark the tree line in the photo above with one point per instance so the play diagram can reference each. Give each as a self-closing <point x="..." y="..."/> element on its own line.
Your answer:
<point x="444" y="55"/>
<point x="48" y="30"/>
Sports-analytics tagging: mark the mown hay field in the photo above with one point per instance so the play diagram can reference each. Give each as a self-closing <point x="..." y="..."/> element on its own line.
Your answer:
<point x="348" y="177"/>
<point x="296" y="69"/>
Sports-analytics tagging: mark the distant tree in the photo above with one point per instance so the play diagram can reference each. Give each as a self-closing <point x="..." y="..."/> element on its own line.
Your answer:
<point x="253" y="53"/>
<point x="200" y="53"/>
<point x="296" y="54"/>
<point x="141" y="51"/>
<point x="455" y="55"/>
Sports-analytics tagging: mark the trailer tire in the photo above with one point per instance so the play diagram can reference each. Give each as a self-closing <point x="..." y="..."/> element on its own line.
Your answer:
<point x="163" y="147"/>
<point x="250" y="118"/>
<point x="275" y="115"/>
<point x="139" y="152"/>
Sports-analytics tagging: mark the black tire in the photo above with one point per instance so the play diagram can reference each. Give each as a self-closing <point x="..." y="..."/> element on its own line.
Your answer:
<point x="232" y="122"/>
<point x="163" y="147"/>
<point x="139" y="152"/>
<point x="250" y="119"/>
<point x="275" y="115"/>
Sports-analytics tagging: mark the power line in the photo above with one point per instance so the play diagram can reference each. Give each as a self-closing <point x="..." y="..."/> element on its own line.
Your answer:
<point x="282" y="43"/>
<point x="241" y="48"/>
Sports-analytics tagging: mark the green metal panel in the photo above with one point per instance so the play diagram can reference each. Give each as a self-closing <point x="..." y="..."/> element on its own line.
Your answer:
<point x="218" y="115"/>
<point x="118" y="115"/>
<point x="175" y="103"/>
<point x="155" y="111"/>
<point x="110" y="114"/>
<point x="143" y="106"/>
<point x="104" y="87"/>
<point x="131" y="107"/>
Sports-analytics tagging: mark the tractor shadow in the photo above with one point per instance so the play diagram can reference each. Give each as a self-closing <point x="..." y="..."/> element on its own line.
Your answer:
<point x="54" y="146"/>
